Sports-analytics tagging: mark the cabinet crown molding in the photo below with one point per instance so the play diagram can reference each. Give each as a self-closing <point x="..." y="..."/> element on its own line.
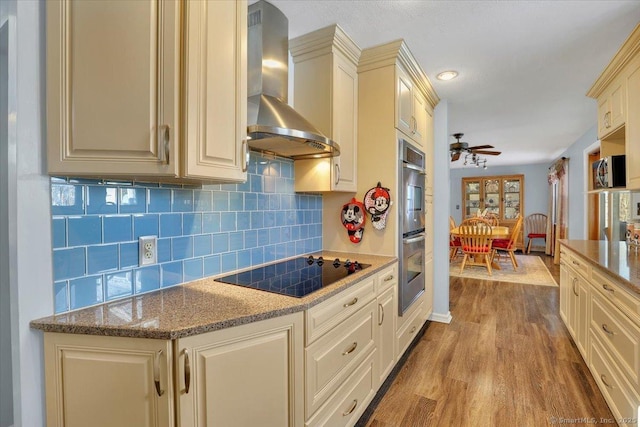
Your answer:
<point x="326" y="40"/>
<point x="397" y="53"/>
<point x="625" y="54"/>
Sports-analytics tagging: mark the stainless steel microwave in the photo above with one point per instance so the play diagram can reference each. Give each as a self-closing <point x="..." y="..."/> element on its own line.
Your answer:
<point x="609" y="172"/>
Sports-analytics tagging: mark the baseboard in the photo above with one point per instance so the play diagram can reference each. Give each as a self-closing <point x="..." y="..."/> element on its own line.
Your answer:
<point x="441" y="318"/>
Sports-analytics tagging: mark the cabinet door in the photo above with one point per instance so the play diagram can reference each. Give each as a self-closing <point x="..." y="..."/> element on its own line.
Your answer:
<point x="215" y="90"/>
<point x="429" y="151"/>
<point x="511" y="198"/>
<point x="345" y="124"/>
<point x="107" y="381"/>
<point x="632" y="149"/>
<point x="583" y="318"/>
<point x="247" y="375"/>
<point x="604" y="115"/>
<point x="420" y="115"/>
<point x="492" y="194"/>
<point x="471" y="197"/>
<point x="404" y="103"/>
<point x="565" y="284"/>
<point x="387" y="309"/>
<point x="112" y="87"/>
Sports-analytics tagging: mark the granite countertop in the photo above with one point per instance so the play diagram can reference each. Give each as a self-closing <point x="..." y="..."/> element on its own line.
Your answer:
<point x="196" y="307"/>
<point x="620" y="261"/>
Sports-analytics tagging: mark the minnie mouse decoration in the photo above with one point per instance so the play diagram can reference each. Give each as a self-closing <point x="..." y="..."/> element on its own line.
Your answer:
<point x="377" y="202"/>
<point x="353" y="219"/>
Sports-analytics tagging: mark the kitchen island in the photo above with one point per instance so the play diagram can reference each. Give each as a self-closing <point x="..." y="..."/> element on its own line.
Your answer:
<point x="600" y="305"/>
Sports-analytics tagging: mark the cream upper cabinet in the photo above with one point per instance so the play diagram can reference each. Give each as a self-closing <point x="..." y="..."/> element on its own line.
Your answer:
<point x="326" y="94"/>
<point x="107" y="381"/>
<point x="412" y="109"/>
<point x="429" y="149"/>
<point x="612" y="108"/>
<point x="247" y="375"/>
<point x="632" y="146"/>
<point x="215" y="91"/>
<point x="120" y="105"/>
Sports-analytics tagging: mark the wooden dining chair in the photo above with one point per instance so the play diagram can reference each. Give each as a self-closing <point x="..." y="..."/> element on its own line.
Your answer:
<point x="508" y="245"/>
<point x="492" y="219"/>
<point x="536" y="227"/>
<point x="476" y="245"/>
<point x="454" y="242"/>
<point x="475" y="221"/>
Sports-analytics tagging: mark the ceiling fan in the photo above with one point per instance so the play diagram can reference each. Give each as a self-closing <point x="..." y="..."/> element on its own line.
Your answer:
<point x="459" y="147"/>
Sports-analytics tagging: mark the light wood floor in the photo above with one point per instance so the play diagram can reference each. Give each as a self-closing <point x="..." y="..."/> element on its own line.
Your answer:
<point x="506" y="359"/>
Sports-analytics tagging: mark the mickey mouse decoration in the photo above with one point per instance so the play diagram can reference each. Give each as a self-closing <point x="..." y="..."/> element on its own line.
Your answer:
<point x="353" y="219"/>
<point x="377" y="202"/>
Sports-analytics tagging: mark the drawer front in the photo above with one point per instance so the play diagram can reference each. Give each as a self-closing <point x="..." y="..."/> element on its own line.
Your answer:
<point x="334" y="356"/>
<point x="616" y="294"/>
<point x="387" y="278"/>
<point x="409" y="331"/>
<point x="622" y="401"/>
<point x="619" y="335"/>
<point x="577" y="263"/>
<point x="347" y="404"/>
<point x="324" y="316"/>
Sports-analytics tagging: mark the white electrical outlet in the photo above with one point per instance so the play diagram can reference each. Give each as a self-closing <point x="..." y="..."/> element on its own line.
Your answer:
<point x="147" y="252"/>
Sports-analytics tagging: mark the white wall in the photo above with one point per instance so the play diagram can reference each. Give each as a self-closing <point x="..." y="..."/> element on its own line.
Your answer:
<point x="536" y="187"/>
<point x="441" y="185"/>
<point x="577" y="177"/>
<point x="29" y="256"/>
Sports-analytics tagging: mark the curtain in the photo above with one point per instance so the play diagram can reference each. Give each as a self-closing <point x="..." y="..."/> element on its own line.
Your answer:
<point x="558" y="207"/>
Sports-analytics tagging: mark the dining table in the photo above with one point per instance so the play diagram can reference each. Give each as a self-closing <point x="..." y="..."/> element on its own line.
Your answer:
<point x="497" y="232"/>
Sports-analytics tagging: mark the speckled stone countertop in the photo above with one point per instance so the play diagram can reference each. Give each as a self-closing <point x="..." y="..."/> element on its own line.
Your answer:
<point x="616" y="258"/>
<point x="197" y="307"/>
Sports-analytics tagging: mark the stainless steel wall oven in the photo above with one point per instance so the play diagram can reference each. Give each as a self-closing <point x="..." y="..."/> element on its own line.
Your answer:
<point x="412" y="208"/>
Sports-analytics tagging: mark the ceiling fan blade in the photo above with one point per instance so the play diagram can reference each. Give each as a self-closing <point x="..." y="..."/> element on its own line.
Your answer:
<point x="455" y="157"/>
<point x="490" y="153"/>
<point x="480" y="147"/>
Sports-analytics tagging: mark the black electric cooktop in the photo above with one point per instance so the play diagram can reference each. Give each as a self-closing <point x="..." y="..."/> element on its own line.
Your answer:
<point x="296" y="277"/>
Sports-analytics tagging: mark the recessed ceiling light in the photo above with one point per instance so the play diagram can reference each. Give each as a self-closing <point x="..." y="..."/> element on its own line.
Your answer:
<point x="447" y="75"/>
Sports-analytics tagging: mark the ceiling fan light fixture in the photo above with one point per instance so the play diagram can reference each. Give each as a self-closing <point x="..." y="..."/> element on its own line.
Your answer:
<point x="447" y="75"/>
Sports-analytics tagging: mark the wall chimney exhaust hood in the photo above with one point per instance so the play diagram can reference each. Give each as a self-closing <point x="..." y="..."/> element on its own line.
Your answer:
<point x="273" y="126"/>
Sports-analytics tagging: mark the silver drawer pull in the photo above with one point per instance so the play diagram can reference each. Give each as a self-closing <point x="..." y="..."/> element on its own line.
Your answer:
<point x="607" y="330"/>
<point x="187" y="371"/>
<point x="350" y="410"/>
<point x="574" y="263"/>
<point x="350" y="303"/>
<point x="604" y="381"/>
<point x="608" y="288"/>
<point x="389" y="277"/>
<point x="350" y="349"/>
<point x="156" y="373"/>
<point x="413" y="329"/>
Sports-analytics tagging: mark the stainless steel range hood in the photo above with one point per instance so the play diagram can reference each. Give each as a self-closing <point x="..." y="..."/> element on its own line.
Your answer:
<point x="274" y="126"/>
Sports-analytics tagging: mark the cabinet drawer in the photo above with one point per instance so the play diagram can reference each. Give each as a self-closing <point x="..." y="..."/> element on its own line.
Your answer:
<point x="350" y="400"/>
<point x="408" y="331"/>
<point x="617" y="295"/>
<point x="622" y="401"/>
<point x="334" y="356"/>
<point x="324" y="316"/>
<point x="576" y="262"/>
<point x="619" y="335"/>
<point x="387" y="278"/>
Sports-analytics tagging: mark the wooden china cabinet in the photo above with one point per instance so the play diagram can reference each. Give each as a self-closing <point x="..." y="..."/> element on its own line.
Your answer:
<point x="502" y="195"/>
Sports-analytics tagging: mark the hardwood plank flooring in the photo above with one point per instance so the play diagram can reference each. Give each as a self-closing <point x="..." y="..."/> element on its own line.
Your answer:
<point x="506" y="359"/>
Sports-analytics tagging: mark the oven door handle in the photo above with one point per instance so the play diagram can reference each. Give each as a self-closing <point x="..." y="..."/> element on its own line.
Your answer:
<point x="413" y="239"/>
<point x="414" y="167"/>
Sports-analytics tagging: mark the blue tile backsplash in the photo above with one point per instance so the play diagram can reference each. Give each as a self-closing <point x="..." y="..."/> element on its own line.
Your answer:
<point x="201" y="232"/>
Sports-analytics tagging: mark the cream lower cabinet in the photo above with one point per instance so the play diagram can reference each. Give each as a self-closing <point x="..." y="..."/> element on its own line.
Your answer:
<point x="632" y="145"/>
<point x="386" y="322"/>
<point x="108" y="381"/>
<point x="126" y="98"/>
<point x="247" y="375"/>
<point x="604" y="321"/>
<point x="242" y="376"/>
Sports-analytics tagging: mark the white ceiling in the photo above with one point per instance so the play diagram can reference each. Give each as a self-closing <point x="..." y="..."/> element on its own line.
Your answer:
<point x="524" y="66"/>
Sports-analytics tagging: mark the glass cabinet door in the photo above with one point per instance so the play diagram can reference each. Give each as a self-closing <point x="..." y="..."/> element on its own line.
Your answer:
<point x="511" y="200"/>
<point x="471" y="198"/>
<point x="492" y="196"/>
